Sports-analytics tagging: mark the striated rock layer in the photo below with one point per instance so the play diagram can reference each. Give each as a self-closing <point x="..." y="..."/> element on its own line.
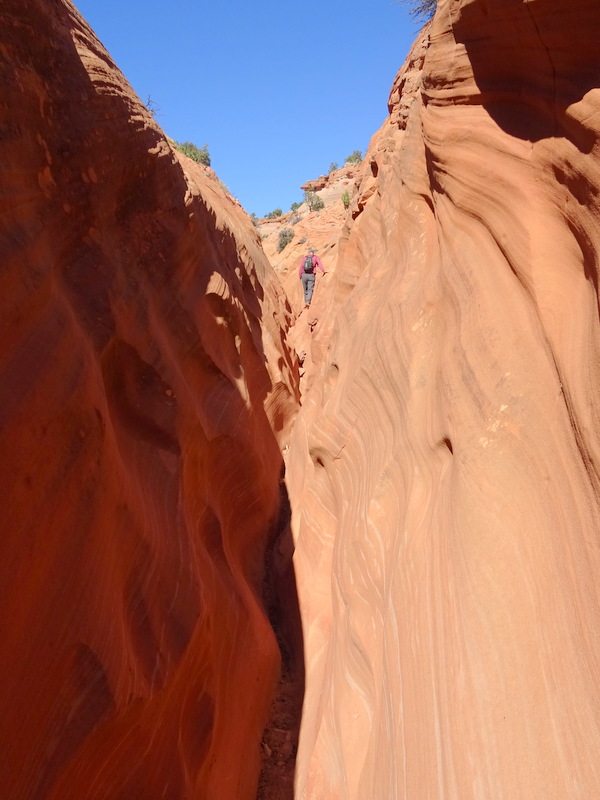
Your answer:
<point x="444" y="468"/>
<point x="143" y="377"/>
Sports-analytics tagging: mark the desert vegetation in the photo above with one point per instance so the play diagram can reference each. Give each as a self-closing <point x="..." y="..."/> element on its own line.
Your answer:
<point x="313" y="201"/>
<point x="355" y="157"/>
<point x="285" y="237"/>
<point x="420" y="10"/>
<point x="198" y="154"/>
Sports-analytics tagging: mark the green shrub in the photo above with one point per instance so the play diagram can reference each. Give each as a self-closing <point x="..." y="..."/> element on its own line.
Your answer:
<point x="198" y="154"/>
<point x="346" y="199"/>
<point x="355" y="157"/>
<point x="295" y="206"/>
<point x="333" y="166"/>
<point x="285" y="237"/>
<point x="274" y="214"/>
<point x="313" y="201"/>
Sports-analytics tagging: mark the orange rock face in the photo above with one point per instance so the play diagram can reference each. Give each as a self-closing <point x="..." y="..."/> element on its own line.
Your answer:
<point x="317" y="229"/>
<point x="444" y="467"/>
<point x="320" y="230"/>
<point x="144" y="379"/>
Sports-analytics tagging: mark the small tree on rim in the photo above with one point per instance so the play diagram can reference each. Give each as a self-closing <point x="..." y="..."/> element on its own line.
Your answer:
<point x="313" y="201"/>
<point x="355" y="157"/>
<point x="420" y="10"/>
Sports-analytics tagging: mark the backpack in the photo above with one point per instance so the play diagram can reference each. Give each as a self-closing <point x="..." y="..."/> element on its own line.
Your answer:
<point x="308" y="264"/>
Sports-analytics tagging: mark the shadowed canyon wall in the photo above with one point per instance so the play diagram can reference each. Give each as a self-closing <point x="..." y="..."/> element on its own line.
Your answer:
<point x="144" y="380"/>
<point x="444" y="467"/>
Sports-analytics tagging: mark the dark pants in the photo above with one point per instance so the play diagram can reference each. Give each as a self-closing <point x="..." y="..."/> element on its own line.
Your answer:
<point x="308" y="284"/>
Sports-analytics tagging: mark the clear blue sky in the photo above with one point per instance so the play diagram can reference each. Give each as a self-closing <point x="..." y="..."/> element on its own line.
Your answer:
<point x="277" y="90"/>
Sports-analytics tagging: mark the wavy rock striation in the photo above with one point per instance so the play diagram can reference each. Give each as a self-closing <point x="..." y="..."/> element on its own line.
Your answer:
<point x="444" y="467"/>
<point x="144" y="377"/>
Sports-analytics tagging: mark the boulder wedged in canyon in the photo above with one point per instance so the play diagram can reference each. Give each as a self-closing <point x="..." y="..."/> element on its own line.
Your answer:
<point x="144" y="382"/>
<point x="444" y="468"/>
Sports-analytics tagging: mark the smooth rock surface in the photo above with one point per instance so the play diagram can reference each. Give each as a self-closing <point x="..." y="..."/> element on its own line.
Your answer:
<point x="444" y="468"/>
<point x="144" y="383"/>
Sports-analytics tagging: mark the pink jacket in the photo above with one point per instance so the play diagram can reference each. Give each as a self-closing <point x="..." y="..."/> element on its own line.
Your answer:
<point x="316" y="263"/>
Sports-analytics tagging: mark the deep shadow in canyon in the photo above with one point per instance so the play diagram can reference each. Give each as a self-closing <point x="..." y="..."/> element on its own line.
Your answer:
<point x="280" y="738"/>
<point x="531" y="64"/>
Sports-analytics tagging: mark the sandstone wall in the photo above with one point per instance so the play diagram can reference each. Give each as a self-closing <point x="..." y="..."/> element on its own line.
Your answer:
<point x="444" y="468"/>
<point x="144" y="377"/>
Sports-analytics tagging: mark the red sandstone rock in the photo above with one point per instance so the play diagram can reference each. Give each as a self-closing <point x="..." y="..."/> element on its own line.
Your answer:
<point x="444" y="467"/>
<point x="333" y="180"/>
<point x="143" y="370"/>
<point x="320" y="230"/>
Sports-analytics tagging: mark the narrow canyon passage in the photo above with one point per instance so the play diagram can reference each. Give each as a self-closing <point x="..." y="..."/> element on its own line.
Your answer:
<point x="255" y="551"/>
<point x="279" y="741"/>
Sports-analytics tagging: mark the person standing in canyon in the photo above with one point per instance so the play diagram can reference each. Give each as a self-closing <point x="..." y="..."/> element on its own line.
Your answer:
<point x="307" y="271"/>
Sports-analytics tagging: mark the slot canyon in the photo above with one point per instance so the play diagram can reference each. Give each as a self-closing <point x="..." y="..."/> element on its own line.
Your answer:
<point x="252" y="550"/>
